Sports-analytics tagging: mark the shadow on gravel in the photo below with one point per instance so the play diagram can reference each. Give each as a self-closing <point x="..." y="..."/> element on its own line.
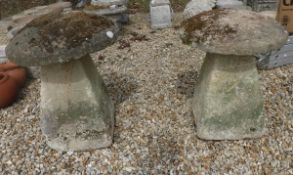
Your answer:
<point x="120" y="87"/>
<point x="186" y="82"/>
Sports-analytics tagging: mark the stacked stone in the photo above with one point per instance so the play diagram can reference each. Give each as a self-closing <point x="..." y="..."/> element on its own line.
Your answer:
<point x="115" y="9"/>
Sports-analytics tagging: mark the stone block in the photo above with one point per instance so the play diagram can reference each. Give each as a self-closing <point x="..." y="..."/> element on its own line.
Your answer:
<point x="234" y="4"/>
<point x="160" y="14"/>
<point x="76" y="112"/>
<point x="228" y="103"/>
<point x="262" y="5"/>
<point x="277" y="58"/>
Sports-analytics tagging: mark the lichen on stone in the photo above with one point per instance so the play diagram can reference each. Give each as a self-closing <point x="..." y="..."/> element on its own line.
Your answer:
<point x="205" y="26"/>
<point x="73" y="29"/>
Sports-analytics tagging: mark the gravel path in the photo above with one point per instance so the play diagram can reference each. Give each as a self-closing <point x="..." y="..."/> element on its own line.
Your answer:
<point x="151" y="76"/>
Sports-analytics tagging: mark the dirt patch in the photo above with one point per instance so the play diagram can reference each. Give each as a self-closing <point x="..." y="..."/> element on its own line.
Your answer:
<point x="206" y="26"/>
<point x="71" y="29"/>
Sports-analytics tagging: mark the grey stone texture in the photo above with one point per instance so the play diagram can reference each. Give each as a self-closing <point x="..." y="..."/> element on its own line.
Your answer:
<point x="233" y="4"/>
<point x="160" y="14"/>
<point x="113" y="9"/>
<point x="277" y="58"/>
<point x="76" y="112"/>
<point x="262" y="5"/>
<point x="195" y="7"/>
<point x="228" y="103"/>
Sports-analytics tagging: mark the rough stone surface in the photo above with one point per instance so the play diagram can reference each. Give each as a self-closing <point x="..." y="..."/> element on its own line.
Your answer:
<point x="60" y="39"/>
<point x="194" y="7"/>
<point x="117" y="14"/>
<point x="76" y="112"/>
<point x="228" y="102"/>
<point x="234" y="32"/>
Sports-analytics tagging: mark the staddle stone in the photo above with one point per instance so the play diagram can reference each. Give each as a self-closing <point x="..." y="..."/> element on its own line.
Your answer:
<point x="228" y="103"/>
<point x="76" y="112"/>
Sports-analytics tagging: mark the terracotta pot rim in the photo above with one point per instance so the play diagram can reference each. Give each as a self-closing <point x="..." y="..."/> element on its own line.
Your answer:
<point x="10" y="65"/>
<point x="3" y="77"/>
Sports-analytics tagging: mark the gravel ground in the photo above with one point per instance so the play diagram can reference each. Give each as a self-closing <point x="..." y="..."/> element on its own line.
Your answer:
<point x="151" y="76"/>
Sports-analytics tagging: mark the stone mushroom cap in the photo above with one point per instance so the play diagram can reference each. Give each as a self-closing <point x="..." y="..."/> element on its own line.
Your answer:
<point x="48" y="40"/>
<point x="233" y="32"/>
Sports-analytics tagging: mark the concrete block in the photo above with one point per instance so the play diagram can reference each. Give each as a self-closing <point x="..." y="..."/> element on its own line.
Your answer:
<point x="160" y="14"/>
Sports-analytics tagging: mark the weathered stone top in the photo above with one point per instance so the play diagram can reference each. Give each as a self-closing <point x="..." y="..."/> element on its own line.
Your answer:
<point x="47" y="40"/>
<point x="233" y="32"/>
<point x="155" y="3"/>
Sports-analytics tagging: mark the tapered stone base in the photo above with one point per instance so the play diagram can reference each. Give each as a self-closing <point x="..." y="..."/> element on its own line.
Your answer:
<point x="76" y="112"/>
<point x="228" y="103"/>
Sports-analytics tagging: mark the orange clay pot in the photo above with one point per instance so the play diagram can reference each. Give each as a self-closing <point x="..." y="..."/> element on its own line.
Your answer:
<point x="8" y="65"/>
<point x="15" y="71"/>
<point x="8" y="90"/>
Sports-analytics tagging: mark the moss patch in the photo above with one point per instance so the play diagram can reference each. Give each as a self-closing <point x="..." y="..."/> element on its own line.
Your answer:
<point x="72" y="29"/>
<point x="206" y="26"/>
